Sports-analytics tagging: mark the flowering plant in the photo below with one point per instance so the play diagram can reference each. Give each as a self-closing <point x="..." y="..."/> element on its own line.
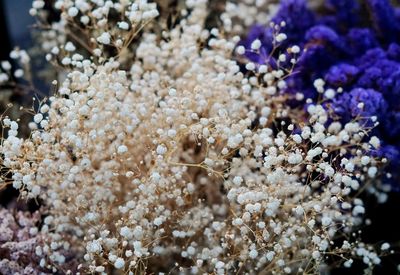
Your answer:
<point x="180" y="147"/>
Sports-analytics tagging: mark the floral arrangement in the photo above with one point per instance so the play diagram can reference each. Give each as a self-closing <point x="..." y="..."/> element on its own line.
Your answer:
<point x="195" y="137"/>
<point x="354" y="49"/>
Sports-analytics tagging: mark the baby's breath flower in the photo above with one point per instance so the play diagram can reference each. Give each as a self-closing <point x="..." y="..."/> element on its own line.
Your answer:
<point x="168" y="154"/>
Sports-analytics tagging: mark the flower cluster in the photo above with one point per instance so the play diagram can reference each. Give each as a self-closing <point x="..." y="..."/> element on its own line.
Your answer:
<point x="181" y="162"/>
<point x="106" y="28"/>
<point x="21" y="243"/>
<point x="352" y="51"/>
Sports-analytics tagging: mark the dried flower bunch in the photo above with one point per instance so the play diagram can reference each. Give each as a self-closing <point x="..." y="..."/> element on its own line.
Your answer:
<point x="21" y="244"/>
<point x="192" y="160"/>
<point x="354" y="47"/>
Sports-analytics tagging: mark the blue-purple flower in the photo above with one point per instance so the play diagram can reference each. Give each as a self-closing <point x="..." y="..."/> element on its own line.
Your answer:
<point x="352" y="46"/>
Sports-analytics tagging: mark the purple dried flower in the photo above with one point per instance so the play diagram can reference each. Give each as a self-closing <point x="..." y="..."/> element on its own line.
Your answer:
<point x="393" y="52"/>
<point x="323" y="47"/>
<point x="360" y="40"/>
<point x="298" y="19"/>
<point x="353" y="45"/>
<point x="384" y="76"/>
<point x="348" y="105"/>
<point x="341" y="75"/>
<point x="265" y="36"/>
<point x="392" y="125"/>
<point x="344" y="12"/>
<point x="370" y="58"/>
<point x="19" y="238"/>
<point x="384" y="19"/>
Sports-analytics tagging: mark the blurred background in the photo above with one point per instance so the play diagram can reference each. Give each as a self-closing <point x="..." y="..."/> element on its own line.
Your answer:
<point x="15" y="25"/>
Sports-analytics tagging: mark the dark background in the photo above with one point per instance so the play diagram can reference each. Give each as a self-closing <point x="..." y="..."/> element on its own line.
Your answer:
<point x="15" y="21"/>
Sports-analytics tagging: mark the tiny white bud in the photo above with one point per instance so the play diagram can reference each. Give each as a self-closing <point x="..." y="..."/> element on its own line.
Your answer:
<point x="122" y="149"/>
<point x="256" y="44"/>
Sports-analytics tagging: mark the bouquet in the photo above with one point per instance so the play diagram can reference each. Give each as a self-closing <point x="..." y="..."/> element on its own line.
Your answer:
<point x="201" y="137"/>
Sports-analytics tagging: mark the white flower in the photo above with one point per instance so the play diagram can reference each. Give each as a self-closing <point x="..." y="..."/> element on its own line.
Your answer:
<point x="240" y="50"/>
<point x="385" y="246"/>
<point x="250" y="66"/>
<point x="35" y="190"/>
<point x="295" y="49"/>
<point x="253" y="254"/>
<point x="326" y="221"/>
<point x="119" y="263"/>
<point x="123" y="25"/>
<point x="281" y="37"/>
<point x="38" y="118"/>
<point x="19" y="73"/>
<point x="161" y="149"/>
<point x="73" y="11"/>
<point x="122" y="149"/>
<point x="104" y="38"/>
<point x="126" y="232"/>
<point x="6" y="65"/>
<point x="256" y="44"/>
<point x="375" y="142"/>
<point x="70" y="47"/>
